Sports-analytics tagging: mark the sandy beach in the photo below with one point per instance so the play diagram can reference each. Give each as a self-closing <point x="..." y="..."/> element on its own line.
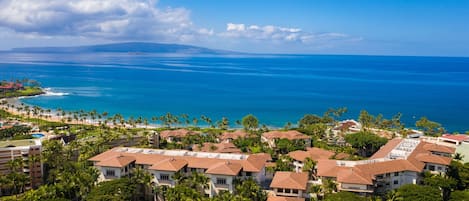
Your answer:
<point x="15" y="103"/>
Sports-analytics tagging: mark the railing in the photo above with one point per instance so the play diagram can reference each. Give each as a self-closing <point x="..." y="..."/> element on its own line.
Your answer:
<point x="168" y="182"/>
<point x="221" y="185"/>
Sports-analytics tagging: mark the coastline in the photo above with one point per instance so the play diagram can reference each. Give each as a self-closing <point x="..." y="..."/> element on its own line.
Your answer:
<point x="54" y="115"/>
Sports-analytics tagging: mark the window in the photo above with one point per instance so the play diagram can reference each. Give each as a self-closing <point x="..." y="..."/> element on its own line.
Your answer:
<point x="110" y="172"/>
<point x="287" y="191"/>
<point x="221" y="181"/>
<point x="388" y="174"/>
<point x="280" y="190"/>
<point x="439" y="168"/>
<point x="248" y="174"/>
<point x="396" y="182"/>
<point x="431" y="167"/>
<point x="396" y="174"/>
<point x="164" y="177"/>
<point x="295" y="191"/>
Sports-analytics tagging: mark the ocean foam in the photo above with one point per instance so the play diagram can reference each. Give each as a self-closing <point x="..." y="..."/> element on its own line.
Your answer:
<point x="49" y="92"/>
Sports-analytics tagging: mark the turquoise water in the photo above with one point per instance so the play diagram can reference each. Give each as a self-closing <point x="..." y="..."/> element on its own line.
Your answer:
<point x="37" y="135"/>
<point x="276" y="89"/>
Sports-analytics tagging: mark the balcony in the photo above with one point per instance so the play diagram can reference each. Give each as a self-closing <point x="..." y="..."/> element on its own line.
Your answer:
<point x="368" y="189"/>
<point x="165" y="182"/>
<point x="224" y="186"/>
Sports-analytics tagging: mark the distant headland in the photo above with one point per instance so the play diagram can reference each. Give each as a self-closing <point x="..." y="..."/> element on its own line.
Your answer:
<point x="20" y="88"/>
<point x="129" y="47"/>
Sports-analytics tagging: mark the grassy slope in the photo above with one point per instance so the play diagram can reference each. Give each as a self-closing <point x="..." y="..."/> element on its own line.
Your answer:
<point x="27" y="91"/>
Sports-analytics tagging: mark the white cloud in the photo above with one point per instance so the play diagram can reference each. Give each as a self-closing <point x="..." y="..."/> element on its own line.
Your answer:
<point x="110" y="19"/>
<point x="86" y="21"/>
<point x="279" y="34"/>
<point x="235" y="27"/>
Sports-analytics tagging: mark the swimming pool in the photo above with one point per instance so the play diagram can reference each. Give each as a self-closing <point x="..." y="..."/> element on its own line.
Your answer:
<point x="37" y="135"/>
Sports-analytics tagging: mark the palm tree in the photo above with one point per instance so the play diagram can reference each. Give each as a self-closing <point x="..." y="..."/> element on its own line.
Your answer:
<point x="309" y="166"/>
<point x="316" y="190"/>
<point x="16" y="175"/>
<point x="393" y="195"/>
<point x="195" y="121"/>
<point x="33" y="162"/>
<point x="178" y="177"/>
<point x="329" y="186"/>
<point x="224" y="123"/>
<point x="199" y="181"/>
<point x="458" y="156"/>
<point x="250" y="189"/>
<point x="142" y="179"/>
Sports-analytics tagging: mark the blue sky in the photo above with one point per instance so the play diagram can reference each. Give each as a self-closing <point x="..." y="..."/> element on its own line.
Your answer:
<point x="398" y="27"/>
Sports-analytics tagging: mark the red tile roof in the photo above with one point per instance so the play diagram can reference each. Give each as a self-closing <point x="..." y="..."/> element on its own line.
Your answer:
<point x="439" y="148"/>
<point x="281" y="198"/>
<point x="171" y="164"/>
<point x="249" y="163"/>
<point x="457" y="137"/>
<point x="430" y="158"/>
<point x="364" y="173"/>
<point x="353" y="176"/>
<point x="225" y="168"/>
<point x="233" y="135"/>
<point x="118" y="161"/>
<point x="312" y="153"/>
<point x="290" y="180"/>
<point x="291" y="135"/>
<point x="385" y="149"/>
<point x="11" y="85"/>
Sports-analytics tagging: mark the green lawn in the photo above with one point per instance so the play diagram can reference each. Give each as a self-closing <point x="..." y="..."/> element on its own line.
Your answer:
<point x="27" y="91"/>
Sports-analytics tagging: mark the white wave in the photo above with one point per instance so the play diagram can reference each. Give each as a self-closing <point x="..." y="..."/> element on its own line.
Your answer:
<point x="49" y="92"/>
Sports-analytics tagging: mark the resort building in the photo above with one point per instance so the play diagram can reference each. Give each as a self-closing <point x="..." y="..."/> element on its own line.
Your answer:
<point x="290" y="184"/>
<point x="281" y="198"/>
<point x="346" y="127"/>
<point x="398" y="162"/>
<point x="456" y="139"/>
<point x="224" y="147"/>
<point x="10" y="86"/>
<point x="230" y="136"/>
<point x="315" y="154"/>
<point x="293" y="135"/>
<point x="222" y="169"/>
<point x="29" y="152"/>
<point x="176" y="135"/>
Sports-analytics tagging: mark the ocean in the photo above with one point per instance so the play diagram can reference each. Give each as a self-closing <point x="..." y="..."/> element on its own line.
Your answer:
<point x="275" y="88"/>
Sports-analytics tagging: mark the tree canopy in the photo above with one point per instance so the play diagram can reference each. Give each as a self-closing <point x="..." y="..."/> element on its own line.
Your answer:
<point x="309" y="119"/>
<point x="418" y="193"/>
<point x="250" y="122"/>
<point x="343" y="196"/>
<point x="431" y="128"/>
<point x="365" y="142"/>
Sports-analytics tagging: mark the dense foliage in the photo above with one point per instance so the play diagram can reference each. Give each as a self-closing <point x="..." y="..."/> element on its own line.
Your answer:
<point x="8" y="133"/>
<point x="250" y="122"/>
<point x="344" y="196"/>
<point x="365" y="142"/>
<point x="417" y="193"/>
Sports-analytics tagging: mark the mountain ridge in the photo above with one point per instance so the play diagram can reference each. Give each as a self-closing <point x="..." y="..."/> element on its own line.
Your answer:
<point x="127" y="47"/>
